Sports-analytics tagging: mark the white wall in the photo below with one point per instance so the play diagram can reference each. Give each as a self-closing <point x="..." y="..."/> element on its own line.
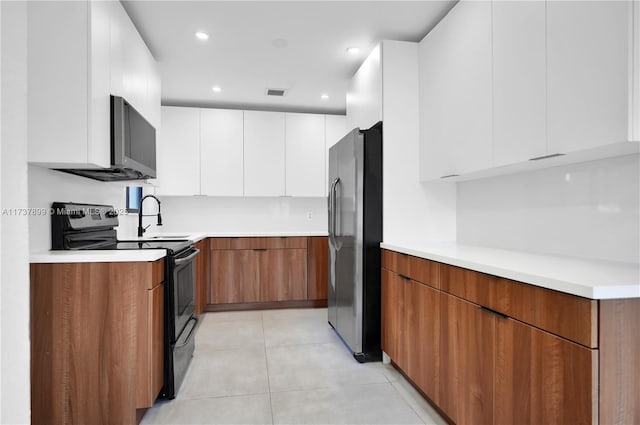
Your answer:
<point x="179" y="214"/>
<point x="14" y="248"/>
<point x="412" y="211"/>
<point x="205" y="214"/>
<point x="588" y="210"/>
<point x="364" y="93"/>
<point x="47" y="186"/>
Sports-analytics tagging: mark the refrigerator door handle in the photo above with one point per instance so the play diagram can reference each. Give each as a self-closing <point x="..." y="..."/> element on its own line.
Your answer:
<point x="337" y="222"/>
<point x="330" y="214"/>
<point x="333" y="212"/>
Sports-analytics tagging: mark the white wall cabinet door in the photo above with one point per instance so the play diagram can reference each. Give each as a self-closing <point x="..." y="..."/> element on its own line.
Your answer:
<point x="434" y="60"/>
<point x="588" y="53"/>
<point x="519" y="81"/>
<point x="178" y="152"/>
<point x="221" y="161"/>
<point x="264" y="158"/>
<point x="455" y="93"/>
<point x="469" y="128"/>
<point x="68" y="96"/>
<point x="134" y="72"/>
<point x="304" y="155"/>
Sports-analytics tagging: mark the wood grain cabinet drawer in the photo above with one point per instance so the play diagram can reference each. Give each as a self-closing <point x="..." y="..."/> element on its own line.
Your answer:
<point x="569" y="316"/>
<point x="216" y="244"/>
<point x="395" y="262"/>
<point x="415" y="268"/>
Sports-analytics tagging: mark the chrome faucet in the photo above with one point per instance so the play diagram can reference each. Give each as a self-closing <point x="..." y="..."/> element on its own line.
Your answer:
<point x="141" y="229"/>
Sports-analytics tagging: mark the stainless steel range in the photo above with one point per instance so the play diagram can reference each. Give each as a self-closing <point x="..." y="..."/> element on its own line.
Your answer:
<point x="92" y="227"/>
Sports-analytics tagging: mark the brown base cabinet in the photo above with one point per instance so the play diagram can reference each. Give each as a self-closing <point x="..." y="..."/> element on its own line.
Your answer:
<point x="541" y="378"/>
<point x="235" y="276"/>
<point x="202" y="274"/>
<point x="467" y="354"/>
<point x="318" y="268"/>
<point x="253" y="270"/>
<point x="487" y="350"/>
<point x="421" y="335"/>
<point x="97" y="341"/>
<point x="283" y="275"/>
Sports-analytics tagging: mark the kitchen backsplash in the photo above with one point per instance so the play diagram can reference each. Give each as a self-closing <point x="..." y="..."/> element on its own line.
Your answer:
<point x="180" y="214"/>
<point x="206" y="214"/>
<point x="47" y="186"/>
<point x="588" y="210"/>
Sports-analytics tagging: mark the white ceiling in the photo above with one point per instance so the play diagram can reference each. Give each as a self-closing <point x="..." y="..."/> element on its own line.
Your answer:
<point x="241" y="57"/>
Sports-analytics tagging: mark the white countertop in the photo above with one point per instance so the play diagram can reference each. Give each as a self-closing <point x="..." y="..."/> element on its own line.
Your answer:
<point x="98" y="256"/>
<point x="263" y="234"/>
<point x="586" y="278"/>
<point x="196" y="236"/>
<point x="108" y="256"/>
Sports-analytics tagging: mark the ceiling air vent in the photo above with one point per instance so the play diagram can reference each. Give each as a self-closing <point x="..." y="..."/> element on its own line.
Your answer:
<point x="276" y="92"/>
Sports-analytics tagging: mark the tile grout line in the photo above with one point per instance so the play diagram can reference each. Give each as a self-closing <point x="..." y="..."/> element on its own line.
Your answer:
<point x="266" y="362"/>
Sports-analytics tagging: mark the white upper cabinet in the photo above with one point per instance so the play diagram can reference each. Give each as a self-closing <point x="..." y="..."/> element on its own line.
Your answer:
<point x="264" y="160"/>
<point x="68" y="78"/>
<point x="506" y="82"/>
<point x="455" y="68"/>
<point x="335" y="129"/>
<point x="134" y="75"/>
<point x="305" y="155"/>
<point x="469" y="126"/>
<point x="519" y="81"/>
<point x="434" y="83"/>
<point x="222" y="152"/>
<point x="221" y="145"/>
<point x="178" y="152"/>
<point x="589" y="51"/>
<point x="364" y="94"/>
<point x="78" y="53"/>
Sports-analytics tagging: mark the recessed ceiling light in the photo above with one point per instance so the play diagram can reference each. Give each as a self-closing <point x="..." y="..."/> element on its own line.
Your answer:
<point x="324" y="96"/>
<point x="353" y="50"/>
<point x="200" y="35"/>
<point x="216" y="89"/>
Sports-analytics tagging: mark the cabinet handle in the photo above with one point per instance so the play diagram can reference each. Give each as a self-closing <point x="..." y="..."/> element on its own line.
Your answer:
<point x="404" y="277"/>
<point x="259" y="249"/>
<point x="450" y="175"/>
<point x="504" y="316"/>
<point x="553" y="155"/>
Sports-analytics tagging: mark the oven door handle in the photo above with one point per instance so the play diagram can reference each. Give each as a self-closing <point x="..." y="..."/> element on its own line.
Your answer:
<point x="183" y="260"/>
<point x="193" y="328"/>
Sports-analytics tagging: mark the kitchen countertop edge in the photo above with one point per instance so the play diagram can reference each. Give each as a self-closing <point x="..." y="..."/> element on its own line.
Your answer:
<point x="198" y="236"/>
<point x="98" y="256"/>
<point x="586" y="278"/>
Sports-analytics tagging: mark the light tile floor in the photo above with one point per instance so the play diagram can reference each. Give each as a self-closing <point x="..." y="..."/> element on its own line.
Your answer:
<point x="285" y="367"/>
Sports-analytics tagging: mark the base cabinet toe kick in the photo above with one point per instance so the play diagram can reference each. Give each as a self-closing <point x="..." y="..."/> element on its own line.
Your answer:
<point x="488" y="350"/>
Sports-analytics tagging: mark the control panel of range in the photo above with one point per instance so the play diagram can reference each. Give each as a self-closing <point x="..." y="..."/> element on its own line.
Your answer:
<point x="84" y="216"/>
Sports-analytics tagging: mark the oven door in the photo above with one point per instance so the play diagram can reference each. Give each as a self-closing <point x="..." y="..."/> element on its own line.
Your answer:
<point x="184" y="282"/>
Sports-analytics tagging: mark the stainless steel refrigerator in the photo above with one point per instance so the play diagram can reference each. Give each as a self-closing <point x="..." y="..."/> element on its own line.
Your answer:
<point x="355" y="233"/>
